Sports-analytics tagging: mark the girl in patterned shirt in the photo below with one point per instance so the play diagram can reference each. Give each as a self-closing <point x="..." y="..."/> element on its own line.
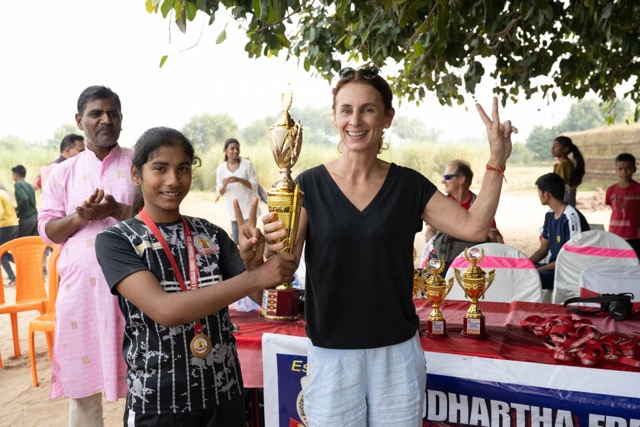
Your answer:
<point x="174" y="276"/>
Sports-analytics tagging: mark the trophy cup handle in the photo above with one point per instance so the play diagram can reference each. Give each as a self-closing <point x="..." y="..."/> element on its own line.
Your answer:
<point x="449" y="287"/>
<point x="456" y="274"/>
<point x="416" y="283"/>
<point x="492" y="275"/>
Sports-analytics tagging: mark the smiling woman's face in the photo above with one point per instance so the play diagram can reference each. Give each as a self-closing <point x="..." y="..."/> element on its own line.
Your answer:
<point x="360" y="117"/>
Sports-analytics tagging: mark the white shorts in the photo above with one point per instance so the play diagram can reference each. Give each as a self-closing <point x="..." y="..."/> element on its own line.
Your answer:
<point x="382" y="386"/>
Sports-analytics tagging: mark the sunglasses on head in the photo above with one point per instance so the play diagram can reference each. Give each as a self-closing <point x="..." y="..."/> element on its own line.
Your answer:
<point x="369" y="72"/>
<point x="448" y="177"/>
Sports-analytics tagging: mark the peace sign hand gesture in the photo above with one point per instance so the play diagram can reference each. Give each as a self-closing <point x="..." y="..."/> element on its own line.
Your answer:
<point x="498" y="134"/>
<point x="251" y="239"/>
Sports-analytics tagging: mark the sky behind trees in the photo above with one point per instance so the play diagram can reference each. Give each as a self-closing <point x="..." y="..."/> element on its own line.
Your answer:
<point x="51" y="51"/>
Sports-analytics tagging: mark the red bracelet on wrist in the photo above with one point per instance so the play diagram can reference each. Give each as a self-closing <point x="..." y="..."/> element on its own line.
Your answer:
<point x="498" y="170"/>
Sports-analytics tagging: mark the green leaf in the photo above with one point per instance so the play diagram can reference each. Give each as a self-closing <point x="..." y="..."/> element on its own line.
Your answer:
<point x="222" y="36"/>
<point x="348" y="42"/>
<point x="418" y="49"/>
<point x="264" y="10"/>
<point x="151" y="8"/>
<point x="190" y="10"/>
<point x="257" y="7"/>
<point x="166" y="7"/>
<point x="273" y="14"/>
<point x="279" y="9"/>
<point x="181" y="22"/>
<point x="163" y="60"/>
<point x="177" y="7"/>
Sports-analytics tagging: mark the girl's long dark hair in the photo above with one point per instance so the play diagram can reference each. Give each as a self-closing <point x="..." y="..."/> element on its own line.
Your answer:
<point x="576" y="178"/>
<point x="150" y="142"/>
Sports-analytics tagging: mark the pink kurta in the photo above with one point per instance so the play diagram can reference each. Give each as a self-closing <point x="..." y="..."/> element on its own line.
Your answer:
<point x="87" y="354"/>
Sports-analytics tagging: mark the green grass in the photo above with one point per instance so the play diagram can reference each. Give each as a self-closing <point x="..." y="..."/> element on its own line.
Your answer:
<point x="32" y="158"/>
<point x="428" y="159"/>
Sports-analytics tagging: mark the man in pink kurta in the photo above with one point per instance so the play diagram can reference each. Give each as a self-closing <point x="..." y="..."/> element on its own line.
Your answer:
<point x="81" y="197"/>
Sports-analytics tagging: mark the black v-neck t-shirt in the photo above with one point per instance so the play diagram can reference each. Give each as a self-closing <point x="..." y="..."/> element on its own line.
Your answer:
<point x="359" y="277"/>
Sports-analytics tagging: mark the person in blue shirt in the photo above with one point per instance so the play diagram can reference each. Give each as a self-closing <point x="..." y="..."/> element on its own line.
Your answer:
<point x="561" y="223"/>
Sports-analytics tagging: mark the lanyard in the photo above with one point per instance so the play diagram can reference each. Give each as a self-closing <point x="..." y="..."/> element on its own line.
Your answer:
<point x="191" y="253"/>
<point x="193" y="271"/>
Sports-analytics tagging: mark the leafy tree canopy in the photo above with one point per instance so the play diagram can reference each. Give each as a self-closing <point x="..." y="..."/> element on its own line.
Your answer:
<point x="583" y="115"/>
<point x="60" y="133"/>
<point x="552" y="47"/>
<point x="410" y="129"/>
<point x="12" y="143"/>
<point x="208" y="130"/>
<point x="317" y="127"/>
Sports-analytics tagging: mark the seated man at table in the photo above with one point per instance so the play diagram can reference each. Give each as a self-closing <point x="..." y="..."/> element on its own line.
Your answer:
<point x="561" y="223"/>
<point x="457" y="180"/>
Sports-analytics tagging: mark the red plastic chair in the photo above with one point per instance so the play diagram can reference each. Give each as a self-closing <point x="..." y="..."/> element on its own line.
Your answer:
<point x="46" y="321"/>
<point x="28" y="255"/>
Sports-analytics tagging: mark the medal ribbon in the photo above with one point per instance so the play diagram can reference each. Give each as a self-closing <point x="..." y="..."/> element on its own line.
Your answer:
<point x="191" y="254"/>
<point x="572" y="339"/>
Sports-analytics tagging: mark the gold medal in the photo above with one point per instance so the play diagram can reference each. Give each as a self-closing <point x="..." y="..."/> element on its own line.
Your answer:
<point x="201" y="345"/>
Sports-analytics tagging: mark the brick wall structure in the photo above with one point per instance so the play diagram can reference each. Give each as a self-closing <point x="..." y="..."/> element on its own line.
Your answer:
<point x="599" y="147"/>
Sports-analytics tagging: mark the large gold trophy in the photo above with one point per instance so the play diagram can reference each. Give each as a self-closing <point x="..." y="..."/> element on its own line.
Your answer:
<point x="285" y="199"/>
<point x="435" y="290"/>
<point x="475" y="284"/>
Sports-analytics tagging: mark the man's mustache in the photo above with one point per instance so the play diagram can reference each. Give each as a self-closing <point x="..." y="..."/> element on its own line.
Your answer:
<point x="109" y="128"/>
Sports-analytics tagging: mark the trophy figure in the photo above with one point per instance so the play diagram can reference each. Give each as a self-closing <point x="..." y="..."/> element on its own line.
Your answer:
<point x="285" y="199"/>
<point x="475" y="284"/>
<point x="417" y="277"/>
<point x="435" y="290"/>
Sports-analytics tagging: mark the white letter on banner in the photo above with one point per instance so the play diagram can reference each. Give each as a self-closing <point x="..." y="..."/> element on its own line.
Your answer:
<point x="616" y="422"/>
<point x="437" y="406"/>
<point x="595" y="420"/>
<point x="500" y="413"/>
<point x="479" y="412"/>
<point x="541" y="416"/>
<point x="521" y="413"/>
<point x="634" y="423"/>
<point x="458" y="409"/>
<point x="564" y="418"/>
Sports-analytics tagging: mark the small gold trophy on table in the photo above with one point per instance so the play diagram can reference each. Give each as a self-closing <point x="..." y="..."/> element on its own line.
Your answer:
<point x="475" y="284"/>
<point x="435" y="290"/>
<point x="285" y="199"/>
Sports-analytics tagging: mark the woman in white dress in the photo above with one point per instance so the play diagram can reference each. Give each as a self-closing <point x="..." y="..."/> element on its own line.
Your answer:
<point x="236" y="180"/>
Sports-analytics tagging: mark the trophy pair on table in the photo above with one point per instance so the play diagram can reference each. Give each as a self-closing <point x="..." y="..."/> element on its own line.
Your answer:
<point x="473" y="281"/>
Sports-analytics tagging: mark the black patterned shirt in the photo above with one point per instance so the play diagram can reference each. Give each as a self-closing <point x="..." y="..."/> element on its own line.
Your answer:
<point x="163" y="376"/>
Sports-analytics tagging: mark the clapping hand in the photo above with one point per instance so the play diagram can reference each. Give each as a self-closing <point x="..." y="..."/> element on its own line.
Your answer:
<point x="98" y="206"/>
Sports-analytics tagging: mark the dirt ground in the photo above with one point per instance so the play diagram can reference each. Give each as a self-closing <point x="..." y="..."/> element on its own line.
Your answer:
<point x="519" y="218"/>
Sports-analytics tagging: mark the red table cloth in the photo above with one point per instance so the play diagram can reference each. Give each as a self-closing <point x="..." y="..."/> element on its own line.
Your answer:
<point x="506" y="338"/>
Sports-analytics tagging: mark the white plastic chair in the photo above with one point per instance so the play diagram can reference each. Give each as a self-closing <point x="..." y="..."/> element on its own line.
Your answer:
<point x="516" y="277"/>
<point x="610" y="279"/>
<point x="590" y="248"/>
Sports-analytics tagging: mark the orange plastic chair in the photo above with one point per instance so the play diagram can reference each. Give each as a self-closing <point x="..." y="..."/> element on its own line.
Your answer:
<point x="46" y="321"/>
<point x="31" y="294"/>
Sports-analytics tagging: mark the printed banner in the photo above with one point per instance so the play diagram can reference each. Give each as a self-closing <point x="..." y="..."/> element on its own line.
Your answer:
<point x="466" y="390"/>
